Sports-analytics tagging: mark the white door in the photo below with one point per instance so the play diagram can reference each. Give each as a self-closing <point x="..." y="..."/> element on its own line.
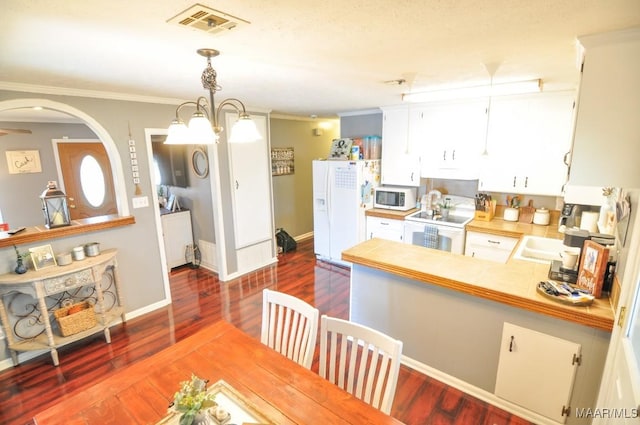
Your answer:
<point x="620" y="389"/>
<point x="251" y="180"/>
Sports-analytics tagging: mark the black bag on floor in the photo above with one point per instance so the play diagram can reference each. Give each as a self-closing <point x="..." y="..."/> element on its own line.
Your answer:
<point x="285" y="241"/>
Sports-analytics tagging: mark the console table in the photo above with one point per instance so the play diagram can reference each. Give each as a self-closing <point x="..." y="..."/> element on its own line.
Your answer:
<point x="27" y="302"/>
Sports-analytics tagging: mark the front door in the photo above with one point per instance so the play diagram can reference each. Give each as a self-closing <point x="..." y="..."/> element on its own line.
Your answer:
<point x="619" y="398"/>
<point x="87" y="179"/>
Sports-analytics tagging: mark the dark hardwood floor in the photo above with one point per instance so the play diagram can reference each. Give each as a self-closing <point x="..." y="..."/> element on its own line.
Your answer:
<point x="200" y="299"/>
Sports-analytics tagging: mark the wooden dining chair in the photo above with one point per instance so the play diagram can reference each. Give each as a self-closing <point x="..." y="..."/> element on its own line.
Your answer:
<point x="364" y="357"/>
<point x="289" y="326"/>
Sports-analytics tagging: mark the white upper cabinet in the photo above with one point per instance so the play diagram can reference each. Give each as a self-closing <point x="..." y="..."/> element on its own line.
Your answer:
<point x="606" y="144"/>
<point x="528" y="141"/>
<point x="450" y="137"/>
<point x="400" y="160"/>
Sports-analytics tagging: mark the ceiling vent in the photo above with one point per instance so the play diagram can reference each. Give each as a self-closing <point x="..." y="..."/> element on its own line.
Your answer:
<point x="206" y="19"/>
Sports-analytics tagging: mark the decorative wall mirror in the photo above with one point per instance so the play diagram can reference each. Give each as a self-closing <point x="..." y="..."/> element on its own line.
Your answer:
<point x="200" y="163"/>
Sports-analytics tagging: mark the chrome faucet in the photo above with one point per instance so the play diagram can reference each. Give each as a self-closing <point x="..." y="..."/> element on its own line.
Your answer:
<point x="432" y="199"/>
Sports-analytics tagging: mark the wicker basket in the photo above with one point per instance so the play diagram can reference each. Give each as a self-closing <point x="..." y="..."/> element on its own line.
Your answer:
<point x="76" y="322"/>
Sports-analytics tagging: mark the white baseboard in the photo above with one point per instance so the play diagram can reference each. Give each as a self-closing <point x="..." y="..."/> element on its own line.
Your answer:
<point x="477" y="392"/>
<point x="303" y="236"/>
<point x="208" y="258"/>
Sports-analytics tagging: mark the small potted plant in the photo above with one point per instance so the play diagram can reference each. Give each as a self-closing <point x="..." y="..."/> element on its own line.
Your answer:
<point x="20" y="267"/>
<point x="193" y="401"/>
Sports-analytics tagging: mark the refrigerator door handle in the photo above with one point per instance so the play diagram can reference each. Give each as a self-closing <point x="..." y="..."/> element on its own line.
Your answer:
<point x="328" y="187"/>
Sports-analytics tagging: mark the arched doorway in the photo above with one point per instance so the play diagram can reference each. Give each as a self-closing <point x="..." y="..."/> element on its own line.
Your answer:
<point x="101" y="133"/>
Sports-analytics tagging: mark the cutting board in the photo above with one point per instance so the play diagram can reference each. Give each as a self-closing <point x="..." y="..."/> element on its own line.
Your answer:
<point x="526" y="213"/>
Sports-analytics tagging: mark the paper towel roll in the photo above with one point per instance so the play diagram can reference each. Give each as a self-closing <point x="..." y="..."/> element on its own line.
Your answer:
<point x="589" y="221"/>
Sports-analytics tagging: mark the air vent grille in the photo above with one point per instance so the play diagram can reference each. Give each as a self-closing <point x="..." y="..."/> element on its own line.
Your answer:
<point x="206" y="19"/>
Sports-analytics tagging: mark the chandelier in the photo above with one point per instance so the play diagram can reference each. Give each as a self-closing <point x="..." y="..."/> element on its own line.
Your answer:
<point x="204" y="126"/>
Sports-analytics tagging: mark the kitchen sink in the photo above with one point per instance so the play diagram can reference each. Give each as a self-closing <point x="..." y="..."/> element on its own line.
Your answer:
<point x="539" y="249"/>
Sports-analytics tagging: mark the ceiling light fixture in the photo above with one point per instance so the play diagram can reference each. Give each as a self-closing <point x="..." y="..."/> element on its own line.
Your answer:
<point x="518" y="87"/>
<point x="204" y="126"/>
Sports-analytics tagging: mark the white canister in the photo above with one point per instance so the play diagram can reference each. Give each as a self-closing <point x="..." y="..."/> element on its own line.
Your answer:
<point x="541" y="217"/>
<point x="511" y="214"/>
<point x="78" y="253"/>
<point x="64" y="259"/>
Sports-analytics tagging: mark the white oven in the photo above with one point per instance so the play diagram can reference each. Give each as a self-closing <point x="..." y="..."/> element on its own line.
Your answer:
<point x="450" y="239"/>
<point x="446" y="233"/>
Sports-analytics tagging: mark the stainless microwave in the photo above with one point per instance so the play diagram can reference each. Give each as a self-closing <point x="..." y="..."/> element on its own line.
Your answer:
<point x="395" y="198"/>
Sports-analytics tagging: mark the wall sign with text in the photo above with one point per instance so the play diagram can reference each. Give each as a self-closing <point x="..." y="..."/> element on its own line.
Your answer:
<point x="20" y="162"/>
<point x="282" y="161"/>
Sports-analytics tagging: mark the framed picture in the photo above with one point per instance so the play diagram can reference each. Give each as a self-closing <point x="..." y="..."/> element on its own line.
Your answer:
<point x="42" y="257"/>
<point x="170" y="202"/>
<point x="593" y="264"/>
<point x="20" y="162"/>
<point x="340" y="149"/>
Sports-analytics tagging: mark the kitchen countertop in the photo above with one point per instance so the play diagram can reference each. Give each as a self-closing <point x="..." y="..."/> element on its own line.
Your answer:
<point x="515" y="229"/>
<point x="391" y="214"/>
<point x="513" y="283"/>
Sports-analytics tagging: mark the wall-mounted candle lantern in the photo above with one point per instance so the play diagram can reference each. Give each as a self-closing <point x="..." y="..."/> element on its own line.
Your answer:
<point x="54" y="207"/>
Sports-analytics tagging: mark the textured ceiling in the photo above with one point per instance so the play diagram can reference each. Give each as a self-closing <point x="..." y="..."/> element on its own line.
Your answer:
<point x="298" y="56"/>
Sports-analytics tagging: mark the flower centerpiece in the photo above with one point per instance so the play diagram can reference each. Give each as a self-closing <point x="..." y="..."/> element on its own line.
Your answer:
<point x="193" y="401"/>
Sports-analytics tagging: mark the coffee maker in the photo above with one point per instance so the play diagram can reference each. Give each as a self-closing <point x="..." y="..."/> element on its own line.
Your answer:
<point x="572" y="248"/>
<point x="571" y="215"/>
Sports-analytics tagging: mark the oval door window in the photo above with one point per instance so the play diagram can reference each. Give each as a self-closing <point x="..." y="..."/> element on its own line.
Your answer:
<point x="92" y="181"/>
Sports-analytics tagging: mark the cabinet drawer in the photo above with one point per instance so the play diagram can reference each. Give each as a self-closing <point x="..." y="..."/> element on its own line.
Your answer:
<point x="69" y="281"/>
<point x="503" y="243"/>
<point x="385" y="228"/>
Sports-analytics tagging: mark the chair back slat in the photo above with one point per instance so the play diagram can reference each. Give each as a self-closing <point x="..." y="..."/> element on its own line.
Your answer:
<point x="289" y="326"/>
<point x="367" y="362"/>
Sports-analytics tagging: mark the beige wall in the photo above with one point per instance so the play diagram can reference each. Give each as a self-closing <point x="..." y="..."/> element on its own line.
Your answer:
<point x="292" y="193"/>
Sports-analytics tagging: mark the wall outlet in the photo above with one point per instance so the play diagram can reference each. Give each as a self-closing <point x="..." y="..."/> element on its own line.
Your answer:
<point x="140" y="202"/>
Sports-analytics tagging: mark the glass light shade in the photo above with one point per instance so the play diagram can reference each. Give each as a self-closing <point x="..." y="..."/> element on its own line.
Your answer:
<point x="200" y="130"/>
<point x="244" y="131"/>
<point x="177" y="134"/>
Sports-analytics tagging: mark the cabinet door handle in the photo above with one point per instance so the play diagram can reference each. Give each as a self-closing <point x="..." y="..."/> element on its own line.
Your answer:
<point x="453" y="155"/>
<point x="526" y="181"/>
<point x="514" y="181"/>
<point x="382" y="223"/>
<point x="566" y="158"/>
<point x="237" y="184"/>
<point x="444" y="155"/>
<point x="412" y="176"/>
<point x="511" y="344"/>
<point x="493" y="242"/>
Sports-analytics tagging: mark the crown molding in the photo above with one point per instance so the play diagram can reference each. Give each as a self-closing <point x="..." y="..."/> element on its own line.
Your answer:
<point x="63" y="91"/>
<point x="96" y="94"/>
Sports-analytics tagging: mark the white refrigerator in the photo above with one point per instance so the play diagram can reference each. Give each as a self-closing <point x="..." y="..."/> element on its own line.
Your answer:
<point x="342" y="192"/>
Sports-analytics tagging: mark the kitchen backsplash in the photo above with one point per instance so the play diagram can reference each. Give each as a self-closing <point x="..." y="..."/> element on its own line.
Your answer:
<point x="469" y="188"/>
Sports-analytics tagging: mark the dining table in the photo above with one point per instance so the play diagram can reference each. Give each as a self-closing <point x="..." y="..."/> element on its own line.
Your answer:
<point x="264" y="381"/>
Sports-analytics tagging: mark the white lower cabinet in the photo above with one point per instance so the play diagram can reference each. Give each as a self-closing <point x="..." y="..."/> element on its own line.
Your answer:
<point x="385" y="228"/>
<point x="537" y="371"/>
<point x="489" y="247"/>
<point x="177" y="235"/>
